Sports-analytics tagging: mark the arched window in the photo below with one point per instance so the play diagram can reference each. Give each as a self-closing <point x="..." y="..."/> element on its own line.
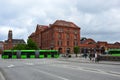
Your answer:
<point x="67" y="43"/>
<point x="75" y="36"/>
<point x="59" y="36"/>
<point x="67" y="36"/>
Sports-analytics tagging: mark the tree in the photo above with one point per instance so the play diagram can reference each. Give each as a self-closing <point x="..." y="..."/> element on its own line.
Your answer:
<point x="31" y="45"/>
<point x="20" y="47"/>
<point x="76" y="50"/>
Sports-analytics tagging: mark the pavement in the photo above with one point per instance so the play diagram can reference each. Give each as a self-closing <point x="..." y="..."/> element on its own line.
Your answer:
<point x="86" y="60"/>
<point x="1" y="74"/>
<point x="81" y="59"/>
<point x="58" y="69"/>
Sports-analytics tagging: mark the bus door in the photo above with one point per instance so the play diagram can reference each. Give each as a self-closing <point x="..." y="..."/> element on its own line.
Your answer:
<point x="10" y="54"/>
<point x="37" y="54"/>
<point x="18" y="54"/>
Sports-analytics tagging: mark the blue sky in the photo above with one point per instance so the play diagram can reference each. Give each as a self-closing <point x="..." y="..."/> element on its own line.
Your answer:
<point x="98" y="19"/>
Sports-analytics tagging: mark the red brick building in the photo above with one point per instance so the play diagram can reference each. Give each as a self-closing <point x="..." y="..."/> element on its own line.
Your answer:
<point x="10" y="42"/>
<point x="64" y="35"/>
<point x="61" y="35"/>
<point x="88" y="45"/>
<point x="1" y="46"/>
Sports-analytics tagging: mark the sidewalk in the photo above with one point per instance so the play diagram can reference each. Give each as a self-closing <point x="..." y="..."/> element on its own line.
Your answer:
<point x="83" y="60"/>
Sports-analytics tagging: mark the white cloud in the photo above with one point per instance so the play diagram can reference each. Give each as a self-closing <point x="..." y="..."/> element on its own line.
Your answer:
<point x="17" y="32"/>
<point x="98" y="19"/>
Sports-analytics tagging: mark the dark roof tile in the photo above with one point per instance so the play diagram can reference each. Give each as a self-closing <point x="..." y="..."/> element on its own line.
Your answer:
<point x="65" y="23"/>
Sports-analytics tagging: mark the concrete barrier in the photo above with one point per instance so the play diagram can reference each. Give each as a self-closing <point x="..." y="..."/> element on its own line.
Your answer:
<point x="110" y="58"/>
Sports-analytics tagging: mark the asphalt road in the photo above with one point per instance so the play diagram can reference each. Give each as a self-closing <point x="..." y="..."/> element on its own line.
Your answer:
<point x="56" y="69"/>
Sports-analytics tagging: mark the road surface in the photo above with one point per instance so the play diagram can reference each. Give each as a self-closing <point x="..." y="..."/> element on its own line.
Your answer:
<point x="56" y="69"/>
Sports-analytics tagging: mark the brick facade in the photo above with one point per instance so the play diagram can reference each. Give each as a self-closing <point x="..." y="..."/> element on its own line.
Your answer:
<point x="61" y="35"/>
<point x="1" y="46"/>
<point x="64" y="35"/>
<point x="10" y="42"/>
<point x="89" y="45"/>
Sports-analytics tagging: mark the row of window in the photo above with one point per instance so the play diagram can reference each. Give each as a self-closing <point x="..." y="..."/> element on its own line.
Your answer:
<point x="59" y="36"/>
<point x="67" y="36"/>
<point x="59" y="43"/>
<point x="68" y="30"/>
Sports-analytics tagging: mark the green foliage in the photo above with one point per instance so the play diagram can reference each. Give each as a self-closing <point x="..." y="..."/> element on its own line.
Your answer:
<point x="20" y="47"/>
<point x="76" y="50"/>
<point x="31" y="45"/>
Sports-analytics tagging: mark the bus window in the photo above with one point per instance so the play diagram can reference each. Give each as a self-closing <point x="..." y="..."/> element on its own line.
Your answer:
<point x="31" y="54"/>
<point x="14" y="55"/>
<point x="114" y="52"/>
<point x="23" y="55"/>
<point x="48" y="54"/>
<point x="7" y="55"/>
<point x="41" y="55"/>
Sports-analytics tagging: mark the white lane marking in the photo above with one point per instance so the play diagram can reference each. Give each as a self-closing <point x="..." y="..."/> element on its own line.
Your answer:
<point x="11" y="65"/>
<point x="88" y="70"/>
<point x="29" y="63"/>
<point x="45" y="62"/>
<point x="1" y="76"/>
<point x="50" y="74"/>
<point x="114" y="72"/>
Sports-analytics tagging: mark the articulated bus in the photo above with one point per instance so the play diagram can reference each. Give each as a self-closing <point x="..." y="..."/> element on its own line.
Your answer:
<point x="23" y="54"/>
<point x="114" y="52"/>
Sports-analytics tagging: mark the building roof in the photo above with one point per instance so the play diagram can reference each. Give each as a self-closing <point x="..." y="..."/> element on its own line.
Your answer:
<point x="1" y="41"/>
<point x="16" y="41"/>
<point x="41" y="27"/>
<point x="102" y="42"/>
<point x="117" y="43"/>
<point x="65" y="23"/>
<point x="87" y="41"/>
<point x="32" y="34"/>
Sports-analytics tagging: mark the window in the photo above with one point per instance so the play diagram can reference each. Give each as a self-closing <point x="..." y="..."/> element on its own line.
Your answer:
<point x="75" y="43"/>
<point x="67" y="43"/>
<point x="68" y="30"/>
<point x="75" y="36"/>
<point x="67" y="35"/>
<point x="59" y="36"/>
<point x="75" y="31"/>
<point x="60" y="30"/>
<point x="59" y="43"/>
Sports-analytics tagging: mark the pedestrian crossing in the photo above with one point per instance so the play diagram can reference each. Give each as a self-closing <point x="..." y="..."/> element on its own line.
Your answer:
<point x="17" y="63"/>
<point x="46" y="62"/>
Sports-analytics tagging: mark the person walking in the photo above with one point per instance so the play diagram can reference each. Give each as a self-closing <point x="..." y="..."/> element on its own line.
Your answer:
<point x="90" y="56"/>
<point x="96" y="56"/>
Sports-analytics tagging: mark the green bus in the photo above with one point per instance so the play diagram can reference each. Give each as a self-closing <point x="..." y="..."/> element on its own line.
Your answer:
<point x="23" y="54"/>
<point x="7" y="54"/>
<point x="114" y="52"/>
